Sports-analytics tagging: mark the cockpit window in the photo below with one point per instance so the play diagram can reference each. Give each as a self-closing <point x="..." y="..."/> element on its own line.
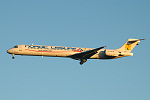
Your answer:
<point x="15" y="46"/>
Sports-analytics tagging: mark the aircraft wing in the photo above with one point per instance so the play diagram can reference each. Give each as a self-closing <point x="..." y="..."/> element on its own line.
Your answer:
<point x="86" y="54"/>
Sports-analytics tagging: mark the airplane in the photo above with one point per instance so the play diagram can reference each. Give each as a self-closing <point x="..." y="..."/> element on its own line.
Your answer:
<point x="76" y="53"/>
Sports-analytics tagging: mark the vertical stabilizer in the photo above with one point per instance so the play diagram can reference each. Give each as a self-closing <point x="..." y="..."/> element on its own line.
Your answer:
<point x="130" y="44"/>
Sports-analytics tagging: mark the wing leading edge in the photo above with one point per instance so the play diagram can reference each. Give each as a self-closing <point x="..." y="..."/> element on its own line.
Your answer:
<point x="83" y="56"/>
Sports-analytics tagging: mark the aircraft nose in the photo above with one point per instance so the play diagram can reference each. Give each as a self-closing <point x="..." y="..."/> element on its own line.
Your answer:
<point x="9" y="51"/>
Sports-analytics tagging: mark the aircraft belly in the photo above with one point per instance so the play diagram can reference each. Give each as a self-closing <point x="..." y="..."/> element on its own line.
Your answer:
<point x="55" y="54"/>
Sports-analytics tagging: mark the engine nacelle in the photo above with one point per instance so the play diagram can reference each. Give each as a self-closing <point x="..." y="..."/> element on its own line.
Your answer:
<point x="112" y="52"/>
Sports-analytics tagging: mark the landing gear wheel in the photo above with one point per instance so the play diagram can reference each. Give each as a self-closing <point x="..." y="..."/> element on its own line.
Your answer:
<point x="81" y="63"/>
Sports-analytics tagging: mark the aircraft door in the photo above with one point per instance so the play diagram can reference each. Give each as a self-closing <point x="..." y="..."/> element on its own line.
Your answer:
<point x="20" y="48"/>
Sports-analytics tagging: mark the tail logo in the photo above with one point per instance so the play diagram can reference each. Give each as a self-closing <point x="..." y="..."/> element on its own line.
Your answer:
<point x="127" y="46"/>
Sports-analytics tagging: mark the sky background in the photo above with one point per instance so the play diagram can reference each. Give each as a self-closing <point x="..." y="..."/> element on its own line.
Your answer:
<point x="74" y="23"/>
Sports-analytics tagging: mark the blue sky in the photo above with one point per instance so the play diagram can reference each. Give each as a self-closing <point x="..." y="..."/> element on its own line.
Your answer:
<point x="78" y="23"/>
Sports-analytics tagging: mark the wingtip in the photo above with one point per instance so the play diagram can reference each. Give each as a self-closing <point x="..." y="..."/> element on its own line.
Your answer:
<point x="142" y="39"/>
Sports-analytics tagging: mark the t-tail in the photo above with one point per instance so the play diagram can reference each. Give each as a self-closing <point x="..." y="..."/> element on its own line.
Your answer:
<point x="126" y="49"/>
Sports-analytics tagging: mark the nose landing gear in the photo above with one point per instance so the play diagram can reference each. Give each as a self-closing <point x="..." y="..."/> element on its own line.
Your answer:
<point x="13" y="56"/>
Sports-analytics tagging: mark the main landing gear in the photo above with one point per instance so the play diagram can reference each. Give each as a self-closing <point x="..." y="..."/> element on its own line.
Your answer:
<point x="83" y="61"/>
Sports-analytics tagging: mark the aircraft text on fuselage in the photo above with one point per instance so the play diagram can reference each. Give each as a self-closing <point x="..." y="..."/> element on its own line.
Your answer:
<point x="54" y="48"/>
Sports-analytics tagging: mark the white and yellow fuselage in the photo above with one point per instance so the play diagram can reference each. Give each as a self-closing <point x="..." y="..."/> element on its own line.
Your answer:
<point x="76" y="53"/>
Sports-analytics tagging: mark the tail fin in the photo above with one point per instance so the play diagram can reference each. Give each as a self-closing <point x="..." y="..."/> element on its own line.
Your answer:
<point x="130" y="44"/>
